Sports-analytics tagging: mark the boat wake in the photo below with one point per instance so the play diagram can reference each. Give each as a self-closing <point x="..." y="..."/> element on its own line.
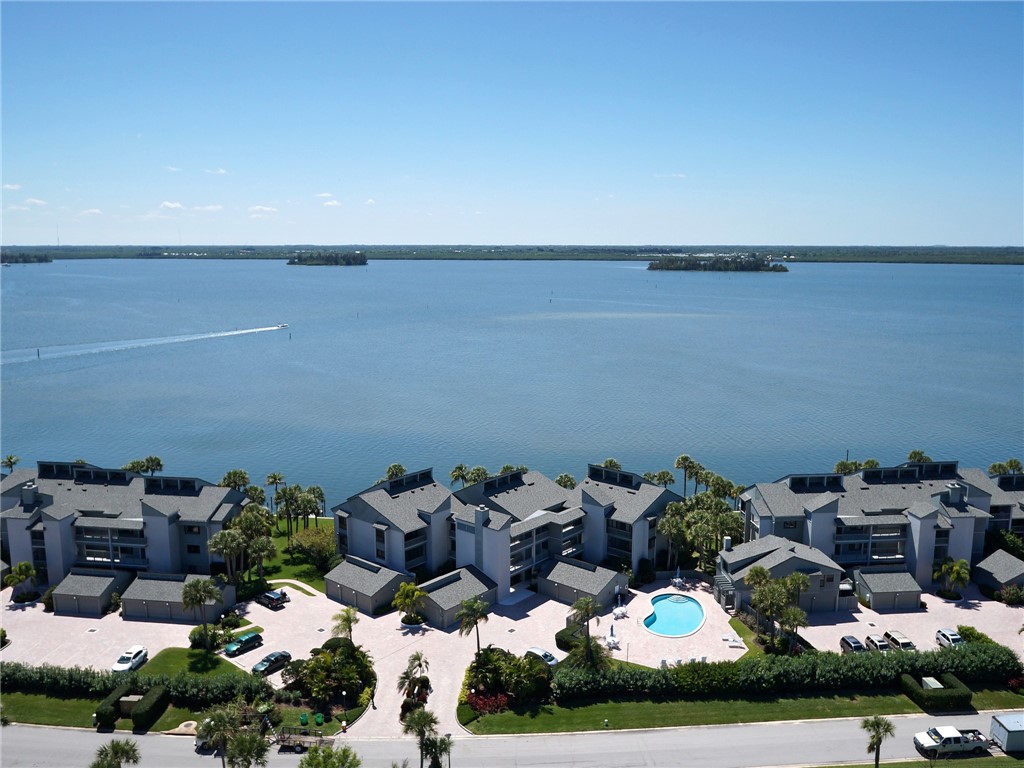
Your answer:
<point x="54" y="352"/>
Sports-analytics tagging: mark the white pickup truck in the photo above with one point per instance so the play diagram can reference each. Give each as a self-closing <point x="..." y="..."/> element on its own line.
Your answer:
<point x="945" y="740"/>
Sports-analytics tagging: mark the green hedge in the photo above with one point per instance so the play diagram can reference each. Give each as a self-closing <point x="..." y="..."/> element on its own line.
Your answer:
<point x="569" y="638"/>
<point x="149" y="708"/>
<point x="466" y="714"/>
<point x="953" y="696"/>
<point x="195" y="692"/>
<point x="810" y="672"/>
<point x="109" y="710"/>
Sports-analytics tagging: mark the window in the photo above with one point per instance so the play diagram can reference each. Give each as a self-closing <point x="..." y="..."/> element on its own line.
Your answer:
<point x="381" y="549"/>
<point x="192" y="529"/>
<point x="193" y="549"/>
<point x="789" y="524"/>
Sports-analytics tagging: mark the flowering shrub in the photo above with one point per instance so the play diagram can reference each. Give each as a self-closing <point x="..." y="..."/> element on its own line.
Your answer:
<point x="1015" y="684"/>
<point x="487" y="703"/>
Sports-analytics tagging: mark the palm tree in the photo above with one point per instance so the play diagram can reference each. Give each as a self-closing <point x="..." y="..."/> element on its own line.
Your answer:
<point x="611" y="463"/>
<point x="275" y="479"/>
<point x="394" y="471"/>
<point x="116" y="753"/>
<point x="247" y="749"/>
<point x="422" y="723"/>
<point x="19" y="574"/>
<point x="472" y="613"/>
<point x="344" y="621"/>
<point x="195" y="595"/>
<point x="437" y="747"/>
<point x="219" y="726"/>
<point x="790" y="620"/>
<point x="328" y="757"/>
<point x="318" y="493"/>
<point x="918" y="456"/>
<point x="649" y="477"/>
<point x="1014" y="466"/>
<point x="153" y="464"/>
<point x="999" y="468"/>
<point x="235" y="478"/>
<point x="9" y="461"/>
<point x="684" y="463"/>
<point x="256" y="494"/>
<point x="870" y="464"/>
<point x="955" y="574"/>
<point x="583" y="610"/>
<point x="878" y="729"/>
<point x="671" y="526"/>
<point x="259" y="551"/>
<point x="696" y="474"/>
<point x="459" y="473"/>
<point x="664" y="478"/>
<point x="229" y="544"/>
<point x="506" y="468"/>
<point x="408" y="600"/>
<point x="566" y="480"/>
<point x="477" y="475"/>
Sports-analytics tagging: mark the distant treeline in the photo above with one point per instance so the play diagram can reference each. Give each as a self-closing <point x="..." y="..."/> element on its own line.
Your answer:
<point x="330" y="258"/>
<point x="846" y="253"/>
<point x="24" y="258"/>
<point x="717" y="262"/>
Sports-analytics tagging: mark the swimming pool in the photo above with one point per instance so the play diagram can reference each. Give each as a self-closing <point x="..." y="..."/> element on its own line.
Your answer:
<point x="675" y="616"/>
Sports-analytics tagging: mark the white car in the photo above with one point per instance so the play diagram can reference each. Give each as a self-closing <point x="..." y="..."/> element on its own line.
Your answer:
<point x="546" y="656"/>
<point x="948" y="638"/>
<point x="131" y="659"/>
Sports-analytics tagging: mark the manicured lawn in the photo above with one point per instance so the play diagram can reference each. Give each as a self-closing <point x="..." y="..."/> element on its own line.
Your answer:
<point x="288" y="566"/>
<point x="746" y="634"/>
<point x="170" y="661"/>
<point x="996" y="698"/>
<point x="49" y="710"/>
<point x="653" y="714"/>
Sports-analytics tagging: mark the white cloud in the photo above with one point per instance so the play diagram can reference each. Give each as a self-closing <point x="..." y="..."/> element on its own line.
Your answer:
<point x="670" y="175"/>
<point x="370" y="201"/>
<point x="324" y="194"/>
<point x="17" y="208"/>
<point x="171" y="206"/>
<point x="91" y="212"/>
<point x="217" y="172"/>
<point x="12" y="186"/>
<point x="207" y="207"/>
<point x="261" y="209"/>
<point x="332" y="204"/>
<point x="172" y="169"/>
<point x="35" y="201"/>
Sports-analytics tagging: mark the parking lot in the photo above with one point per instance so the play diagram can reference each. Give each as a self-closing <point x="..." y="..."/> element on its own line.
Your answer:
<point x="998" y="621"/>
<point x="305" y="623"/>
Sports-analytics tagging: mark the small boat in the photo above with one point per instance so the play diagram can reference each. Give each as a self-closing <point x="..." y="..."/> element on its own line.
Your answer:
<point x="282" y="325"/>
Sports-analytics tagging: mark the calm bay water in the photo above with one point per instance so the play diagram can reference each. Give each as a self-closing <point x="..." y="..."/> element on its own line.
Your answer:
<point x="548" y="364"/>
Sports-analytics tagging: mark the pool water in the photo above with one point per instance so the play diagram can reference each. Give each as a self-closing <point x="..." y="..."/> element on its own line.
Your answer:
<point x="675" y="616"/>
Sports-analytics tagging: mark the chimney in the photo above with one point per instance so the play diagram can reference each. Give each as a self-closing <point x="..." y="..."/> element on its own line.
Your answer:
<point x="28" y="494"/>
<point x="480" y="517"/>
<point x="956" y="492"/>
<point x="727" y="543"/>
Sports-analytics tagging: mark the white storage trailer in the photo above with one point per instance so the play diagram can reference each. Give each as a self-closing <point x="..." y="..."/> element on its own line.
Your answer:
<point x="1007" y="731"/>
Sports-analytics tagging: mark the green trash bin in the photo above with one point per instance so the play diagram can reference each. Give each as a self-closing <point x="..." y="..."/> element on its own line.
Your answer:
<point x="318" y="718"/>
<point x="303" y="719"/>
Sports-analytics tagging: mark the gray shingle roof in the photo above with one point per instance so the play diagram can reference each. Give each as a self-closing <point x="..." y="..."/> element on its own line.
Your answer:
<point x="449" y="590"/>
<point x="631" y="504"/>
<point x="1004" y="567"/>
<point x="154" y="586"/>
<point x="881" y="583"/>
<point x="84" y="585"/>
<point x="518" y="494"/>
<point x="403" y="502"/>
<point x="578" y="575"/>
<point x="363" y="576"/>
<point x="771" y="551"/>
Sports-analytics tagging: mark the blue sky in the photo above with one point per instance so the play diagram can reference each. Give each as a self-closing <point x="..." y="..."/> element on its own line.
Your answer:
<point x="545" y="123"/>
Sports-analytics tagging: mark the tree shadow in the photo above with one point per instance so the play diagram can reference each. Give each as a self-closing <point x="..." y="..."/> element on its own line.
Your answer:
<point x="201" y="661"/>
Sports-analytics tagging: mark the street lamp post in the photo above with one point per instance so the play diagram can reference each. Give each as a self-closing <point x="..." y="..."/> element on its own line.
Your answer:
<point x="448" y="736"/>
<point x="344" y="702"/>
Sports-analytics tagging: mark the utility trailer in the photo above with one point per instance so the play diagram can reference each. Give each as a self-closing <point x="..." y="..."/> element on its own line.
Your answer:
<point x="300" y="738"/>
<point x="1007" y="731"/>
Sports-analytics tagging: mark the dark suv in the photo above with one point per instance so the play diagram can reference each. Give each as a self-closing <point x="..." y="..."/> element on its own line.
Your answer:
<point x="272" y="599"/>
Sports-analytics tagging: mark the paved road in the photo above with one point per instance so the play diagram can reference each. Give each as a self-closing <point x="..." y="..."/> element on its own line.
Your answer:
<point x="759" y="745"/>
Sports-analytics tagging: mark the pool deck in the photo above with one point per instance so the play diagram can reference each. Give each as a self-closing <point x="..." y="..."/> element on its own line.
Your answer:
<point x="641" y="646"/>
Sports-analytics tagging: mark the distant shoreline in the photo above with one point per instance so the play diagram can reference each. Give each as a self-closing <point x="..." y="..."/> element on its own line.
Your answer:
<point x="646" y="253"/>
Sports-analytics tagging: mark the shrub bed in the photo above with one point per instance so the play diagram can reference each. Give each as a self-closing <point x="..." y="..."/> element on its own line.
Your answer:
<point x="808" y="673"/>
<point x="195" y="692"/>
<point x="108" y="712"/>
<point x="149" y="708"/>
<point x="569" y="638"/>
<point x="953" y="696"/>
